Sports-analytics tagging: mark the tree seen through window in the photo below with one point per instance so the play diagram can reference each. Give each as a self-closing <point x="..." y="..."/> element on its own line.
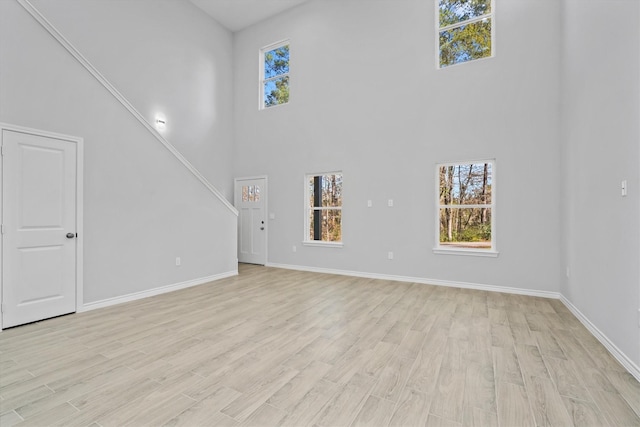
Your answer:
<point x="465" y="205"/>
<point x="276" y="76"/>
<point x="324" y="207"/>
<point x="464" y="30"/>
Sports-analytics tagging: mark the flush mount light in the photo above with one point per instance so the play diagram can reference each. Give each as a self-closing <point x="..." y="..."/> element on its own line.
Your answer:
<point x="161" y="123"/>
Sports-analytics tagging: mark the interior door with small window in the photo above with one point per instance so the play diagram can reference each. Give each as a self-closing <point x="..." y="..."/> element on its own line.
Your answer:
<point x="251" y="200"/>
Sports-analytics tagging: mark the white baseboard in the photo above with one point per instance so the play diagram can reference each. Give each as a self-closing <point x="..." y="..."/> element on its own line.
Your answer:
<point x="155" y="291"/>
<point x="610" y="346"/>
<point x="426" y="281"/>
<point x="604" y="340"/>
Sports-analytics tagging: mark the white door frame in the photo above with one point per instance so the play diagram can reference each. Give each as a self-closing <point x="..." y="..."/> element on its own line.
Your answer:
<point x="266" y="209"/>
<point x="79" y="203"/>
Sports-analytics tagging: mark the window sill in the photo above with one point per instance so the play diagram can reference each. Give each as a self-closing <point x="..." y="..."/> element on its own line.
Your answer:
<point x="323" y="244"/>
<point x="467" y="252"/>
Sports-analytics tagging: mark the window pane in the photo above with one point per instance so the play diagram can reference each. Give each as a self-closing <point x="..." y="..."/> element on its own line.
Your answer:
<point x="245" y="193"/>
<point x="312" y="224"/>
<point x="454" y="11"/>
<point x="465" y="43"/>
<point x="332" y="190"/>
<point x="312" y="192"/>
<point x="324" y="196"/>
<point x="276" y="62"/>
<point x="256" y="195"/>
<point x="332" y="225"/>
<point x="276" y="91"/>
<point x="465" y="227"/>
<point x="465" y="184"/>
<point x="330" y="221"/>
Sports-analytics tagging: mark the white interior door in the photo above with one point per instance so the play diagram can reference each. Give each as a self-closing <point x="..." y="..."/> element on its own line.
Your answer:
<point x="39" y="227"/>
<point x="250" y="200"/>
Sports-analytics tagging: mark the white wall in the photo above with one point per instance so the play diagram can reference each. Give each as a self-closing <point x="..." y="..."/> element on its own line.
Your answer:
<point x="367" y="99"/>
<point x="142" y="208"/>
<point x="164" y="56"/>
<point x="601" y="115"/>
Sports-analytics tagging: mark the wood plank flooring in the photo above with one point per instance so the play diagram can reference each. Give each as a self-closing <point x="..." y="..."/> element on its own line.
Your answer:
<point x="275" y="347"/>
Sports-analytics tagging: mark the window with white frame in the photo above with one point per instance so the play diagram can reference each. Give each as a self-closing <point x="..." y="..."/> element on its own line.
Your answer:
<point x="274" y="75"/>
<point x="250" y="193"/>
<point x="466" y="206"/>
<point x="323" y="213"/>
<point x="465" y="30"/>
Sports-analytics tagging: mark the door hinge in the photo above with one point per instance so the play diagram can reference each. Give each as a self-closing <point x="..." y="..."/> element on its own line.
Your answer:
<point x="2" y="307"/>
<point x="1" y="150"/>
<point x="2" y="229"/>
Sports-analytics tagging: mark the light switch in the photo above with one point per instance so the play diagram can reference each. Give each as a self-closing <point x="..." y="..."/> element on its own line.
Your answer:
<point x="272" y="216"/>
<point x="369" y="203"/>
<point x="623" y="188"/>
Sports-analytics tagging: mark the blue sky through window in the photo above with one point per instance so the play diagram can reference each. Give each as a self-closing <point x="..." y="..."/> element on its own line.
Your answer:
<point x="276" y="62"/>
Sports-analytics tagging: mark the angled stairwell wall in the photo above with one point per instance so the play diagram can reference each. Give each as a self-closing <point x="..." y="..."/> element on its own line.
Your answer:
<point x="145" y="204"/>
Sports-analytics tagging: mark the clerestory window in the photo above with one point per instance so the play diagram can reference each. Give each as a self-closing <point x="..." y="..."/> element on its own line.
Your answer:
<point x="465" y="30"/>
<point x="274" y="75"/>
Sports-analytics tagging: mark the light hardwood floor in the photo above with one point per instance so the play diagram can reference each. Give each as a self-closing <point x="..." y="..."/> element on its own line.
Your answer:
<point x="284" y="348"/>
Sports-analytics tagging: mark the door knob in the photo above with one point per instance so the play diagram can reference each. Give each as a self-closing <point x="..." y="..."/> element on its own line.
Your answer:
<point x="70" y="235"/>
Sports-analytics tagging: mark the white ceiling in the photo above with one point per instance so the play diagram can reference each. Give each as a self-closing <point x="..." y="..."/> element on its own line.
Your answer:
<point x="238" y="14"/>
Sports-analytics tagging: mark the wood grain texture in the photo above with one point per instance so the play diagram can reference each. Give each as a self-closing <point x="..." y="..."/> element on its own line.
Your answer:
<point x="275" y="347"/>
<point x="412" y="409"/>
<point x="375" y="412"/>
<point x="9" y="419"/>
<point x="615" y="409"/>
<point x="584" y="413"/>
<point x="546" y="403"/>
<point x="513" y="405"/>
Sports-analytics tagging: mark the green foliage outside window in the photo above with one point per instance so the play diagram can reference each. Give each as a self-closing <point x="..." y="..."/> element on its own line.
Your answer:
<point x="276" y="76"/>
<point x="465" y="205"/>
<point x="465" y="30"/>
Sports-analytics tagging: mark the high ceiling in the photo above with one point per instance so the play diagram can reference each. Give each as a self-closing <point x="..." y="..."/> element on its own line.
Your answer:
<point x="238" y="14"/>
